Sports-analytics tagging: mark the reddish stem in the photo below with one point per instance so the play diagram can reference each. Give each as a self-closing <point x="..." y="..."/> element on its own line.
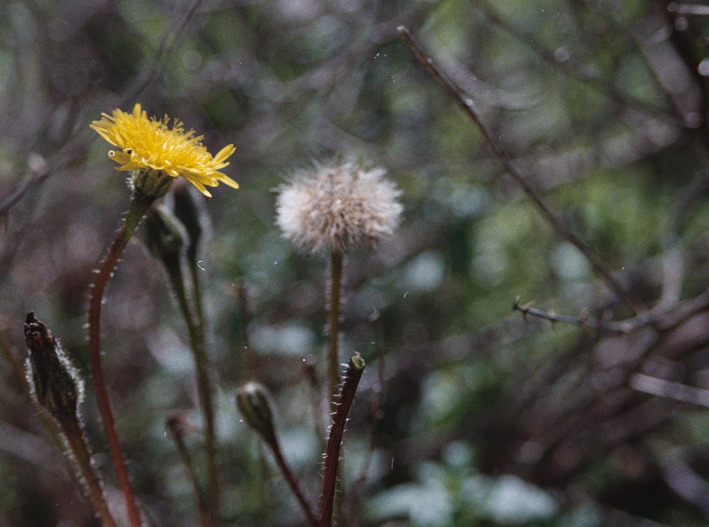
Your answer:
<point x="291" y="480"/>
<point x="135" y="214"/>
<point x="333" y="325"/>
<point x="353" y="374"/>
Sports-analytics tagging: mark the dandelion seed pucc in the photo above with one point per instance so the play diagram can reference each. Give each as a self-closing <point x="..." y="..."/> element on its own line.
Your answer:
<point x="334" y="207"/>
<point x="151" y="144"/>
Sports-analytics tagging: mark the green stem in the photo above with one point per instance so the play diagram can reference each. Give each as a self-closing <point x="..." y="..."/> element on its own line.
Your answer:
<point x="174" y="425"/>
<point x="138" y="207"/>
<point x="195" y="329"/>
<point x="333" y="325"/>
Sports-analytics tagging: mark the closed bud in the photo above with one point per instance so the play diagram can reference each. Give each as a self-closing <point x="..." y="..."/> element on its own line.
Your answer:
<point x="163" y="233"/>
<point x="254" y="404"/>
<point x="150" y="183"/>
<point x="187" y="209"/>
<point x="56" y="384"/>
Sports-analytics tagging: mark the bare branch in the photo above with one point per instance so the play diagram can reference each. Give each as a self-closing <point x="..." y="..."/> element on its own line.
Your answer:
<point x="670" y="390"/>
<point x="663" y="316"/>
<point x="688" y="9"/>
<point x="553" y="219"/>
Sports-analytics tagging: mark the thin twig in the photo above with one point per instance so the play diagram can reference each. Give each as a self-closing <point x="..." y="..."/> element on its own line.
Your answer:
<point x="178" y="426"/>
<point x="663" y="316"/>
<point x="555" y="221"/>
<point x="670" y="390"/>
<point x="609" y="89"/>
<point x="688" y="9"/>
<point x="353" y="374"/>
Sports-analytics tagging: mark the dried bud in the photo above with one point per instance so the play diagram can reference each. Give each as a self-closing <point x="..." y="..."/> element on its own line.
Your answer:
<point x="336" y="207"/>
<point x="163" y="233"/>
<point x="56" y="384"/>
<point x="254" y="404"/>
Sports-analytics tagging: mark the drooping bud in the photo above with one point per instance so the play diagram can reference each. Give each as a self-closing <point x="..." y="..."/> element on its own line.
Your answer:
<point x="56" y="384"/>
<point x="187" y="209"/>
<point x="254" y="404"/>
<point x="163" y="233"/>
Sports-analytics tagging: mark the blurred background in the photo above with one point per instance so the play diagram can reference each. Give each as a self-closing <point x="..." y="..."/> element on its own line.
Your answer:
<point x="469" y="414"/>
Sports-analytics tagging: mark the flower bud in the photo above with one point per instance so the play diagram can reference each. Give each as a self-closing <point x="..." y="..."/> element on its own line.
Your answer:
<point x="150" y="183"/>
<point x="188" y="211"/>
<point x="55" y="382"/>
<point x="163" y="233"/>
<point x="254" y="404"/>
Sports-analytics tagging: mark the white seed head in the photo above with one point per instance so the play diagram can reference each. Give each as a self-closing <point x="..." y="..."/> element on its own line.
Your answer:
<point x="334" y="207"/>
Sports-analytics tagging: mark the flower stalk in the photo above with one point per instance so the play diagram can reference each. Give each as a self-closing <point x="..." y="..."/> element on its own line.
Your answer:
<point x="334" y="208"/>
<point x="155" y="152"/>
<point x="336" y="265"/>
<point x="188" y="212"/>
<point x="353" y="374"/>
<point x="140" y="203"/>
<point x="204" y="387"/>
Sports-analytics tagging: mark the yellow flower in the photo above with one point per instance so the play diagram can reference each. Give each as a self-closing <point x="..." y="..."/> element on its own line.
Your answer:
<point x="151" y="144"/>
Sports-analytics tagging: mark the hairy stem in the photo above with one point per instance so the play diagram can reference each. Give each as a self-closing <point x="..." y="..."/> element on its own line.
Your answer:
<point x="333" y="324"/>
<point x="139" y="206"/>
<point x="73" y="432"/>
<point x="353" y="374"/>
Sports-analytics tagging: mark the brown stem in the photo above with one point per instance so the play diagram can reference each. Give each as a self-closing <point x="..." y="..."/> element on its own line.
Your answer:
<point x="139" y="206"/>
<point x="290" y="478"/>
<point x="555" y="221"/>
<point x="333" y="324"/>
<point x="353" y="374"/>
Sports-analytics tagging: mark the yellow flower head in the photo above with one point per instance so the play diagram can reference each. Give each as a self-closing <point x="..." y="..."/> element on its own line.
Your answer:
<point x="151" y="144"/>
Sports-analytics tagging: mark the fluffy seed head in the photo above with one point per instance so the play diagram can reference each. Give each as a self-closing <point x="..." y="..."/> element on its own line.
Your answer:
<point x="334" y="207"/>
